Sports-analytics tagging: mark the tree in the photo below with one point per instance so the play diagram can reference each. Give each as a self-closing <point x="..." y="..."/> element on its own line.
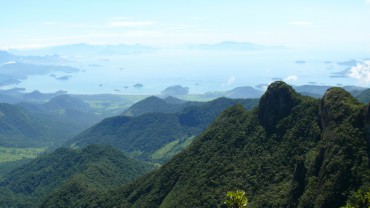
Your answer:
<point x="236" y="199"/>
<point x="360" y="199"/>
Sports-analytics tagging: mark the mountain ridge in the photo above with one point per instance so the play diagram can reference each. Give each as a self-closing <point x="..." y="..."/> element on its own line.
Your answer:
<point x="301" y="162"/>
<point x="93" y="169"/>
<point x="150" y="133"/>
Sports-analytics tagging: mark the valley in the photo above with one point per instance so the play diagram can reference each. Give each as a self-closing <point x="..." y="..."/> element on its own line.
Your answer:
<point x="184" y="104"/>
<point x="278" y="148"/>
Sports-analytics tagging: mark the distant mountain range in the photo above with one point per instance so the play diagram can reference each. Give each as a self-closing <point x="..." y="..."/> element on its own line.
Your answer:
<point x="155" y="104"/>
<point x="232" y="45"/>
<point x="315" y="91"/>
<point x="155" y="130"/>
<point x="102" y="105"/>
<point x="83" y="50"/>
<point x="281" y="154"/>
<point x="239" y="92"/>
<point x="45" y="124"/>
<point x="22" y="128"/>
<point x="67" y="109"/>
<point x="319" y="90"/>
<point x="290" y="151"/>
<point x="14" y="69"/>
<point x="6" y="57"/>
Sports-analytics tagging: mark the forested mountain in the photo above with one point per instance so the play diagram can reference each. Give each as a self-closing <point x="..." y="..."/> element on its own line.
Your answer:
<point x="239" y="92"/>
<point x="51" y="124"/>
<point x="21" y="128"/>
<point x="70" y="178"/>
<point x="318" y="91"/>
<point x="364" y="96"/>
<point x="65" y="101"/>
<point x="156" y="136"/>
<point x="68" y="109"/>
<point x="98" y="106"/>
<point x="291" y="151"/>
<point x="154" y="104"/>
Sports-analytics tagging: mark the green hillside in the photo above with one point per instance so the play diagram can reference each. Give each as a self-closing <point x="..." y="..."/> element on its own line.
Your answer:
<point x="67" y="102"/>
<point x="74" y="112"/>
<point x="154" y="104"/>
<point x="151" y="136"/>
<point x="364" y="96"/>
<point x="21" y="128"/>
<point x="292" y="151"/>
<point x="67" y="175"/>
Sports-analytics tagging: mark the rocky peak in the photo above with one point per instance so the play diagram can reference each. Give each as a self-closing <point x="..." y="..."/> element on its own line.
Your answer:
<point x="338" y="105"/>
<point x="275" y="104"/>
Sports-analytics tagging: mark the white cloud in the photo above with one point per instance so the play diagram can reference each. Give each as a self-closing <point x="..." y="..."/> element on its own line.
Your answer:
<point x="291" y="78"/>
<point x="360" y="72"/>
<point x="231" y="80"/>
<point x="130" y="23"/>
<point x="10" y="62"/>
<point x="50" y="23"/>
<point x="300" y="23"/>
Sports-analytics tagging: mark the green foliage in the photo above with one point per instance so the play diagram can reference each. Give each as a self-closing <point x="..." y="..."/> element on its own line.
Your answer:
<point x="313" y="157"/>
<point x="7" y="167"/>
<point x="23" y="129"/>
<point x="154" y="135"/>
<point x="360" y="199"/>
<point x="364" y="96"/>
<point x="236" y="199"/>
<point x="342" y="155"/>
<point x="312" y="153"/>
<point x="107" y="105"/>
<point x="154" y="105"/>
<point x="66" y="175"/>
<point x="11" y="158"/>
<point x="9" y="154"/>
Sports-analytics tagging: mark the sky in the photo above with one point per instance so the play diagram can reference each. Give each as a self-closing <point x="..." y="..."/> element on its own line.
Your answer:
<point x="311" y="24"/>
<point x="326" y="42"/>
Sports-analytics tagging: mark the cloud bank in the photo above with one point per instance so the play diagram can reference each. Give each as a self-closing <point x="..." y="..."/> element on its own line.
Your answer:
<point x="291" y="78"/>
<point x="231" y="80"/>
<point x="131" y="23"/>
<point x="300" y="23"/>
<point x="360" y="72"/>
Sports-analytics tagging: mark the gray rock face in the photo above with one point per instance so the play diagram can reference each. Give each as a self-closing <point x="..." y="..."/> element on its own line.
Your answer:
<point x="275" y="104"/>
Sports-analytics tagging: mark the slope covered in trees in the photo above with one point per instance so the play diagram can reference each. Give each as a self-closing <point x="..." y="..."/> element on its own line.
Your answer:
<point x="154" y="104"/>
<point x="156" y="136"/>
<point x="74" y="112"/>
<point x="291" y="151"/>
<point x="364" y="96"/>
<point x="21" y="128"/>
<point x="68" y="177"/>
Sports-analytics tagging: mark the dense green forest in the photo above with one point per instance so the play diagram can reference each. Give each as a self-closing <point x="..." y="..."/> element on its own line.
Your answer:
<point x="67" y="109"/>
<point x="70" y="177"/>
<point x="155" y="104"/>
<point x="291" y="151"/>
<point x="49" y="124"/>
<point x="158" y="135"/>
<point x="363" y="96"/>
<point x="22" y="128"/>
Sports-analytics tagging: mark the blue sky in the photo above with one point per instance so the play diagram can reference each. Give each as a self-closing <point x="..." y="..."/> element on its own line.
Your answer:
<point x="312" y="24"/>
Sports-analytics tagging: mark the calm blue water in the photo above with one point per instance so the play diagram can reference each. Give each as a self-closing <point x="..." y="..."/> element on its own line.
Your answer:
<point x="201" y="71"/>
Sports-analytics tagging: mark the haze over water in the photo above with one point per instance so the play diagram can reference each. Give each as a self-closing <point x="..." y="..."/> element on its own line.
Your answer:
<point x="200" y="71"/>
<point x="316" y="35"/>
